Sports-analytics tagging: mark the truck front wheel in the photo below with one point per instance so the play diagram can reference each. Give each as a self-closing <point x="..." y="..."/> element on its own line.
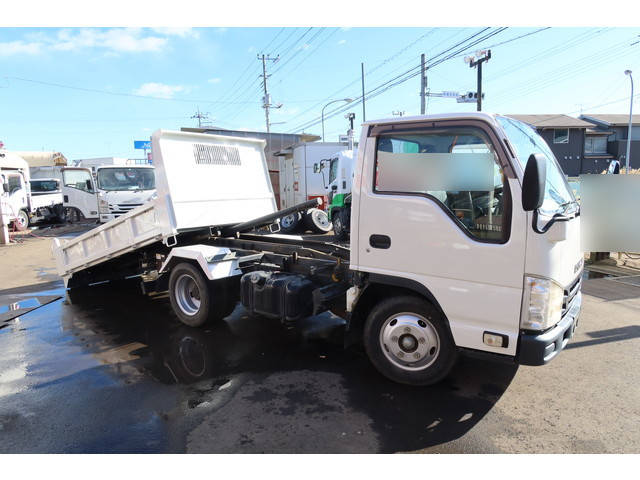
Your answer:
<point x="194" y="299"/>
<point x="341" y="223"/>
<point x="407" y="340"/>
<point x="22" y="221"/>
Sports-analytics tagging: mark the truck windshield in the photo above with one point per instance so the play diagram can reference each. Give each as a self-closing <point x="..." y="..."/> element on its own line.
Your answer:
<point x="122" y="179"/>
<point x="44" y="186"/>
<point x="558" y="197"/>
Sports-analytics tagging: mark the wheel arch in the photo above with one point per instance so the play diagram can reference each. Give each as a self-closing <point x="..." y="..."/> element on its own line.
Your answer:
<point x="380" y="287"/>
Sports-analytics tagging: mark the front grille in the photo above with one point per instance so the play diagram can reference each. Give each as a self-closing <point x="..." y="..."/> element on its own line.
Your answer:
<point x="570" y="293"/>
<point x="122" y="208"/>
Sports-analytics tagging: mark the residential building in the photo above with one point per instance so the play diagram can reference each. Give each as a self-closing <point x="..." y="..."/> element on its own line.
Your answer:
<point x="614" y="127"/>
<point x="566" y="137"/>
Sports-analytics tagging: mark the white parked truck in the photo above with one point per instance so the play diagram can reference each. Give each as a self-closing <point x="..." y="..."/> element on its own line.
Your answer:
<point x="464" y="237"/>
<point x="25" y="200"/>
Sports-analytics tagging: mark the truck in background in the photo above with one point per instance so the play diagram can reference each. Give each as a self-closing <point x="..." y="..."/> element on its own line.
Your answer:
<point x="339" y="168"/>
<point x="465" y="237"/>
<point x="299" y="182"/>
<point x="24" y="204"/>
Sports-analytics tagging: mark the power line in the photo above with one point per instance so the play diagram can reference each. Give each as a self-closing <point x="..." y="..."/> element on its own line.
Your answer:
<point x="357" y="80"/>
<point x="119" y="94"/>
<point x="403" y="77"/>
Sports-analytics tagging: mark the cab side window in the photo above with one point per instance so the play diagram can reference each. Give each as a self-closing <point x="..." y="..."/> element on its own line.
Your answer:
<point x="14" y="183"/>
<point x="456" y="167"/>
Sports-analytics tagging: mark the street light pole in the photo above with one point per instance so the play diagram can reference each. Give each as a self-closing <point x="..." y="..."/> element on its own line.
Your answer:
<point x="628" y="72"/>
<point x="348" y="100"/>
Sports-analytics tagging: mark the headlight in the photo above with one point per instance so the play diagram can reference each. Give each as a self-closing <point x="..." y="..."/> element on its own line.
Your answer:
<point x="541" y="303"/>
<point x="103" y="205"/>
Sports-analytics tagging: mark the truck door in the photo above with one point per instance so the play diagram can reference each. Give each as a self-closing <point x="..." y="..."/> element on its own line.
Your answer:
<point x="435" y="210"/>
<point x="17" y="199"/>
<point x="79" y="191"/>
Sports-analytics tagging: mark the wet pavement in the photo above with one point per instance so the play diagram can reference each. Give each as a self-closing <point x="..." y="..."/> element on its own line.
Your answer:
<point x="116" y="372"/>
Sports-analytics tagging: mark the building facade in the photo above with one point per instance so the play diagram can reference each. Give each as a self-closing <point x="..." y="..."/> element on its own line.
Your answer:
<point x="614" y="127"/>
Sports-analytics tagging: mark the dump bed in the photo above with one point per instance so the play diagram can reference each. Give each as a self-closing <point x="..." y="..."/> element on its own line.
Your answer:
<point x="202" y="180"/>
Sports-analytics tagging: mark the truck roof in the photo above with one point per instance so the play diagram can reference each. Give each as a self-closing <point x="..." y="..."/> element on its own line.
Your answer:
<point x="120" y="166"/>
<point x="12" y="160"/>
<point x="489" y="117"/>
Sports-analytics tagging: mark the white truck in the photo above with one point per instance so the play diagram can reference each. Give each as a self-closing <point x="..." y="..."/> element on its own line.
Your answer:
<point x="470" y="249"/>
<point x="300" y="181"/>
<point x="105" y="192"/>
<point x="27" y="201"/>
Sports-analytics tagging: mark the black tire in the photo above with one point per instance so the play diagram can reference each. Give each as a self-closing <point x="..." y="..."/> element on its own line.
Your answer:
<point x="194" y="299"/>
<point x="341" y="224"/>
<point x="289" y="223"/>
<point x="317" y="221"/>
<point x="419" y="335"/>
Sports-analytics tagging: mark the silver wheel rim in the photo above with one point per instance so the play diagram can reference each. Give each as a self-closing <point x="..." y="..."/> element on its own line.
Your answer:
<point x="409" y="341"/>
<point x="187" y="294"/>
<point x="287" y="221"/>
<point x="320" y="218"/>
<point x="22" y="219"/>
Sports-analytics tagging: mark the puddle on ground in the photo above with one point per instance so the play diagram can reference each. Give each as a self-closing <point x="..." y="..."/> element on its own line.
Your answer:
<point x="591" y="275"/>
<point x="29" y="303"/>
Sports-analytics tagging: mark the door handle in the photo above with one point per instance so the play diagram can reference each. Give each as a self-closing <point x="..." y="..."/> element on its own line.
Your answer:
<point x="380" y="241"/>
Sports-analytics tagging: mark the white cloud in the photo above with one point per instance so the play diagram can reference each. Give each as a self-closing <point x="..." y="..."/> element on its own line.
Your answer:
<point x="161" y="90"/>
<point x="19" y="47"/>
<point x="342" y="42"/>
<point x="114" y="39"/>
<point x="251" y="49"/>
<point x="181" y="32"/>
<point x="214" y="80"/>
<point x="111" y="40"/>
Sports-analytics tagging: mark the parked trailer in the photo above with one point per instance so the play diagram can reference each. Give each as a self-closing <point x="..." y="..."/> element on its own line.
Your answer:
<point x="464" y="237"/>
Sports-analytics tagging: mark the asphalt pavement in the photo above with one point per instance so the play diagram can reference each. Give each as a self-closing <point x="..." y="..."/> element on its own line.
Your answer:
<point x="114" y="371"/>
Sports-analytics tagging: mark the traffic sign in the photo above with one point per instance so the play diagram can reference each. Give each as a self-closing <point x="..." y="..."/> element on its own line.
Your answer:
<point x="142" y="144"/>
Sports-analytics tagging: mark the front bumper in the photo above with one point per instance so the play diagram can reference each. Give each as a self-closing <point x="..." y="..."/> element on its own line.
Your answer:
<point x="540" y="349"/>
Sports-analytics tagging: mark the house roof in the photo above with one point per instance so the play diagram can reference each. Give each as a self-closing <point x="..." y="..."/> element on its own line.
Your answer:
<point x="552" y="121"/>
<point x="611" y="120"/>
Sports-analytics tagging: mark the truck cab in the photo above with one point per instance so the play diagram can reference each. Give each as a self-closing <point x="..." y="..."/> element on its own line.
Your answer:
<point x="15" y="195"/>
<point x="340" y="171"/>
<point x="471" y="215"/>
<point x="122" y="188"/>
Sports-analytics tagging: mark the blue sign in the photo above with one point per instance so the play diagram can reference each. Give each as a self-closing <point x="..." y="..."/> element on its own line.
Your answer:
<point x="142" y="144"/>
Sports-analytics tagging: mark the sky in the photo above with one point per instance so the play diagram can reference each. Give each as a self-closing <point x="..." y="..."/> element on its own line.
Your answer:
<point x="90" y="92"/>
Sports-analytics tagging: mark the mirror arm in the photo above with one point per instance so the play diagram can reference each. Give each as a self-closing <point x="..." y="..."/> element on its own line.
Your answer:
<point x="558" y="217"/>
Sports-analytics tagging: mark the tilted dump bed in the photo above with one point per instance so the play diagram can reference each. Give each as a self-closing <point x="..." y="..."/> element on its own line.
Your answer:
<point x="202" y="180"/>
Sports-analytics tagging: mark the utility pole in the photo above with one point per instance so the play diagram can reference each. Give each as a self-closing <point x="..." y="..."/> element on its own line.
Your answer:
<point x="364" y="113"/>
<point x="266" y="100"/>
<point x="200" y="116"/>
<point x="423" y="85"/>
<point x="478" y="63"/>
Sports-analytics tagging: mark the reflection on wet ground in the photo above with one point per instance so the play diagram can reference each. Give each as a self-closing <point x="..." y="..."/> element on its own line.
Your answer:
<point x="115" y="372"/>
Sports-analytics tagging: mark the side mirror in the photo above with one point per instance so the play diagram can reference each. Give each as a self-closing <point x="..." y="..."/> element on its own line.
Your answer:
<point x="334" y="187"/>
<point x="316" y="168"/>
<point x="535" y="176"/>
<point x="5" y="187"/>
<point x="89" y="186"/>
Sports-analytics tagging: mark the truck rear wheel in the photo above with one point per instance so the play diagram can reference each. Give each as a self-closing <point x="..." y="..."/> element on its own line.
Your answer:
<point x="194" y="299"/>
<point x="407" y="340"/>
